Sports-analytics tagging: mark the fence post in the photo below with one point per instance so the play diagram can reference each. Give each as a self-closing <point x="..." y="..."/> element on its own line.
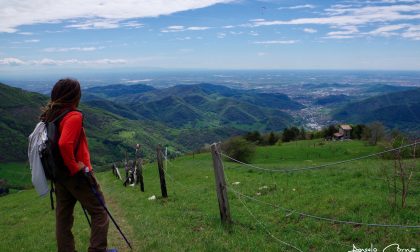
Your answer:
<point x="161" y="172"/>
<point x="221" y="188"/>
<point x="140" y="173"/>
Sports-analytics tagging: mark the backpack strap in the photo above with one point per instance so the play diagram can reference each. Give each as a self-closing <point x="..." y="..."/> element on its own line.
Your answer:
<point x="51" y="195"/>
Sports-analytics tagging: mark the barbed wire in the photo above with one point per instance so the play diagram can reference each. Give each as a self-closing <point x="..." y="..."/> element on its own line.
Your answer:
<point x="292" y="211"/>
<point x="265" y="227"/>
<point x="319" y="166"/>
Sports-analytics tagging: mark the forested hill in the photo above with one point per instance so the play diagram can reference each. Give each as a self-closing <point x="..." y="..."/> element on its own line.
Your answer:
<point x="109" y="134"/>
<point x="117" y="117"/>
<point x="202" y="106"/>
<point x="395" y="110"/>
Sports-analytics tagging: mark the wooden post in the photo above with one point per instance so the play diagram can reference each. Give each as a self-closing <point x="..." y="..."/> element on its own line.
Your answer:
<point x="221" y="188"/>
<point x="161" y="172"/>
<point x="140" y="173"/>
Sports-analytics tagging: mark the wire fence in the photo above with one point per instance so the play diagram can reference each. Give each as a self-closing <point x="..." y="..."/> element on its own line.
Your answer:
<point x="318" y="166"/>
<point x="312" y="216"/>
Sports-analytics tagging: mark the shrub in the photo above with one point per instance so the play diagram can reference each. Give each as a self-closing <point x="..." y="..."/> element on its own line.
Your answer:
<point x="238" y="148"/>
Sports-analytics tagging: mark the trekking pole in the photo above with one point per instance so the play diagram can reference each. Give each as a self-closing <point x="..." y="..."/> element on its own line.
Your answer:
<point x="98" y="197"/>
<point x="87" y="218"/>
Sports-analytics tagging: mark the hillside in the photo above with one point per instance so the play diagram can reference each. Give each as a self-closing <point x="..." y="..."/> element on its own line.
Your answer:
<point x="198" y="115"/>
<point x="395" y="110"/>
<point x="207" y="105"/>
<point x="189" y="219"/>
<point x="109" y="135"/>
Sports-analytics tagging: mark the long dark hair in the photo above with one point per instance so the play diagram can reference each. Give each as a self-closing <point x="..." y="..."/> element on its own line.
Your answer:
<point x="65" y="94"/>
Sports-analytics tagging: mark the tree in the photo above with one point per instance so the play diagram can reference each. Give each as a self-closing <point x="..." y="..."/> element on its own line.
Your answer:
<point x="357" y="131"/>
<point x="240" y="149"/>
<point x="290" y="134"/>
<point x="374" y="132"/>
<point x="272" y="138"/>
<point x="329" y="131"/>
<point x="302" y="134"/>
<point x="254" y="137"/>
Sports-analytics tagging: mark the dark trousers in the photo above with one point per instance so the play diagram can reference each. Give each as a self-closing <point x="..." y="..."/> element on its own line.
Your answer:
<point x="68" y="192"/>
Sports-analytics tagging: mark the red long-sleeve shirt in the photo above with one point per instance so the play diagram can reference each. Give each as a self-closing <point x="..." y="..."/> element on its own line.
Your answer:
<point x="70" y="130"/>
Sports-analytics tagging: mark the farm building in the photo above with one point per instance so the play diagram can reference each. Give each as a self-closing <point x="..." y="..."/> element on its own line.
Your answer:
<point x="344" y="131"/>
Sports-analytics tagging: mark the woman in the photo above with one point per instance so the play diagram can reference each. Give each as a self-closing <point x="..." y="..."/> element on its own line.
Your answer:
<point x="65" y="96"/>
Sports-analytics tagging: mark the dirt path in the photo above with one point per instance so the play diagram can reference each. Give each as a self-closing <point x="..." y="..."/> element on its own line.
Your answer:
<point x="115" y="240"/>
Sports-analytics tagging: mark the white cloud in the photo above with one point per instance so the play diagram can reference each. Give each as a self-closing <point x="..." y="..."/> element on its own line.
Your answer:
<point x="53" y="62"/>
<point x="296" y="7"/>
<point x="184" y="38"/>
<point x="253" y="33"/>
<point x="98" y="14"/>
<point x="181" y="28"/>
<point x="69" y="49"/>
<point x="353" y="16"/>
<point x="413" y="32"/>
<point x="96" y="24"/>
<point x="388" y="30"/>
<point x="310" y="30"/>
<point x="31" y="41"/>
<point x="25" y="33"/>
<point x="221" y="35"/>
<point x="236" y="32"/>
<point x="345" y="30"/>
<point x="273" y="42"/>
<point x="260" y="54"/>
<point x="132" y="24"/>
<point x="11" y="62"/>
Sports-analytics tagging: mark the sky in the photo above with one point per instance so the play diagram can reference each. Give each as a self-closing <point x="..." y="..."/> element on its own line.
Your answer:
<point x="39" y="36"/>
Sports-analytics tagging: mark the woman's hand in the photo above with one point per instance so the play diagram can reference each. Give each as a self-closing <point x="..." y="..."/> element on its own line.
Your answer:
<point x="80" y="165"/>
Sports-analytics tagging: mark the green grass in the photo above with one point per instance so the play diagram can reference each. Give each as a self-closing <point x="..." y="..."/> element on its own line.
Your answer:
<point x="17" y="175"/>
<point x="189" y="219"/>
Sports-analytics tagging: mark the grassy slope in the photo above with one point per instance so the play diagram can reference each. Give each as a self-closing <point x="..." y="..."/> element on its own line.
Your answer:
<point x="189" y="219"/>
<point x="17" y="175"/>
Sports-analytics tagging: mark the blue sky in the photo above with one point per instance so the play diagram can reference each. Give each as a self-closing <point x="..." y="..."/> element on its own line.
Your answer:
<point x="44" y="36"/>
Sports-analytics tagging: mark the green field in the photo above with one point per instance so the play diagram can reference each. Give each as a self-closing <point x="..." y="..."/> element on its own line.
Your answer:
<point x="17" y="175"/>
<point x="189" y="219"/>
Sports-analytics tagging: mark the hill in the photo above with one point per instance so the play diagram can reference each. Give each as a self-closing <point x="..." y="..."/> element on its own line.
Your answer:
<point x="207" y="105"/>
<point x="188" y="220"/>
<point x="109" y="135"/>
<point x="395" y="110"/>
<point x="333" y="99"/>
<point x="196" y="116"/>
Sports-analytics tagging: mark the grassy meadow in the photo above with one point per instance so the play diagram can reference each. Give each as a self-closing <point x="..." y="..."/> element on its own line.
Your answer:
<point x="188" y="220"/>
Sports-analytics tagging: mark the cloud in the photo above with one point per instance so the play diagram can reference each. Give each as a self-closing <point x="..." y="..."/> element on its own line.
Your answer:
<point x="69" y="49"/>
<point x="96" y="24"/>
<point x="181" y="28"/>
<point x="253" y="33"/>
<point x="310" y="30"/>
<point x="273" y="42"/>
<point x="97" y="14"/>
<point x="53" y="62"/>
<point x="221" y="35"/>
<point x="388" y="30"/>
<point x="31" y="41"/>
<point x="297" y="7"/>
<point x="25" y="33"/>
<point x="11" y="62"/>
<point x="184" y="38"/>
<point x="413" y="32"/>
<point x="342" y="16"/>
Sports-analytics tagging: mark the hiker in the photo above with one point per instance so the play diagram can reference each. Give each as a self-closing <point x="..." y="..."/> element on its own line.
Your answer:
<point x="130" y="173"/>
<point x="74" y="186"/>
